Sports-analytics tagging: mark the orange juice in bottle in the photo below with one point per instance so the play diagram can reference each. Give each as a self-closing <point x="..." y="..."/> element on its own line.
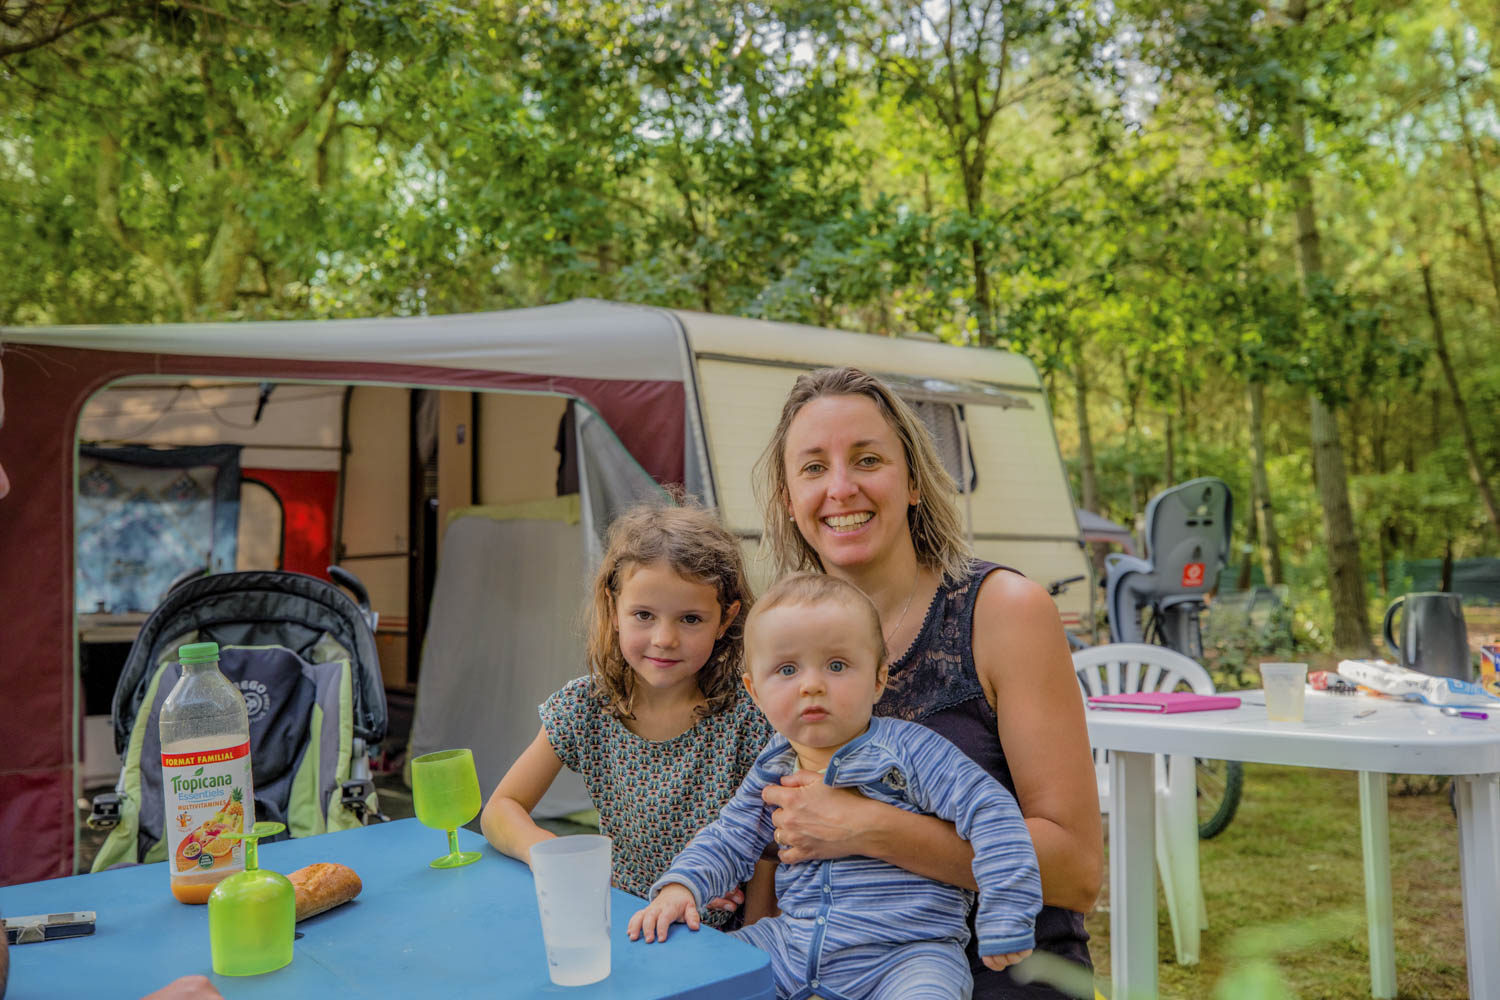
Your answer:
<point x="205" y="770"/>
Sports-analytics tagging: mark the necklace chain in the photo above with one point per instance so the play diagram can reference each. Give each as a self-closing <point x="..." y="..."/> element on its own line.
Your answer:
<point x="896" y="629"/>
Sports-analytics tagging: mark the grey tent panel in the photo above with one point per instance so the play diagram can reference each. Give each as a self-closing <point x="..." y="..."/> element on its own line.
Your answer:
<point x="1101" y="529"/>
<point x="496" y="644"/>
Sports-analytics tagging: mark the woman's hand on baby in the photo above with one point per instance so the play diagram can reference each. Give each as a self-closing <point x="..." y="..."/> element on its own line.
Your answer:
<point x="813" y="820"/>
<point x="673" y="904"/>
<point x="998" y="962"/>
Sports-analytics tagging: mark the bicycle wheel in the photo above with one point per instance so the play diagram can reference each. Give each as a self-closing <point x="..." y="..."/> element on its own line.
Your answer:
<point x="1220" y="783"/>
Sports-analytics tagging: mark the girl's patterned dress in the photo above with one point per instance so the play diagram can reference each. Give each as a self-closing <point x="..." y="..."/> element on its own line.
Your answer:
<point x="653" y="796"/>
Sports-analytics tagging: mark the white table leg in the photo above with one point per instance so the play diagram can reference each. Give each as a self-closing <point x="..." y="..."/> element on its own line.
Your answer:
<point x="1375" y="826"/>
<point x="1132" y="875"/>
<point x="1479" y="870"/>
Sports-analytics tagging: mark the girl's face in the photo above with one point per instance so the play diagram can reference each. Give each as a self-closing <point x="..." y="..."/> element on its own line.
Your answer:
<point x="847" y="482"/>
<point x="667" y="625"/>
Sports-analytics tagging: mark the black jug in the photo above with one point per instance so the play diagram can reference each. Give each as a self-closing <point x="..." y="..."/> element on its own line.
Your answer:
<point x="1434" y="638"/>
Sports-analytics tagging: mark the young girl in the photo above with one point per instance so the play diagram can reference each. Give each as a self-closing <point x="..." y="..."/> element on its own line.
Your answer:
<point x="661" y="729"/>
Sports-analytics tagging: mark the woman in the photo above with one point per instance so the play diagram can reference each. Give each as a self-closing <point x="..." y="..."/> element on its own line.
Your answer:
<point x="851" y="485"/>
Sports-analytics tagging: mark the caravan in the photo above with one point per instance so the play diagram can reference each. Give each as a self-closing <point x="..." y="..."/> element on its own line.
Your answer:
<point x="464" y="467"/>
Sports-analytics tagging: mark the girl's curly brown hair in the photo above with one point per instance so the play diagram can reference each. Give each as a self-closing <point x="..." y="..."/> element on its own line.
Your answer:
<point x="691" y="540"/>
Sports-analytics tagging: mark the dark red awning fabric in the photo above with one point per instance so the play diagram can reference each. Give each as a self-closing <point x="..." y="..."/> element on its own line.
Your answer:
<point x="45" y="389"/>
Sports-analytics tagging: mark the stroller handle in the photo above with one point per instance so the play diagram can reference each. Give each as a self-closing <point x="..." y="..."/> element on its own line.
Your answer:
<point x="351" y="583"/>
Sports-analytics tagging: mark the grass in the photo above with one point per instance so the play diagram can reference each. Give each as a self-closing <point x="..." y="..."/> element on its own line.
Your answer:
<point x="1285" y="882"/>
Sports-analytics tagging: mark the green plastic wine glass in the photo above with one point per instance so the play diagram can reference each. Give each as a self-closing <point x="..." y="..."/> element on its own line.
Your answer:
<point x="445" y="792"/>
<point x="251" y="915"/>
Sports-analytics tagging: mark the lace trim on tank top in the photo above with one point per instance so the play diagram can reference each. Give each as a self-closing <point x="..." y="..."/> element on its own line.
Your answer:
<point x="937" y="671"/>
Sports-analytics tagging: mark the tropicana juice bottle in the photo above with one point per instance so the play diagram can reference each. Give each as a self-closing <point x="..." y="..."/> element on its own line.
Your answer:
<point x="205" y="770"/>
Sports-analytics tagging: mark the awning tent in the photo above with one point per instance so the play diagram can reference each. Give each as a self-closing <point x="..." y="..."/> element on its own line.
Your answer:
<point x="618" y="363"/>
<point x="587" y="405"/>
<point x="1101" y="529"/>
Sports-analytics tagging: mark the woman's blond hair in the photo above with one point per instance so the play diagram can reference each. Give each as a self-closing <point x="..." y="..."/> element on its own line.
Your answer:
<point x="936" y="528"/>
<point x="697" y="547"/>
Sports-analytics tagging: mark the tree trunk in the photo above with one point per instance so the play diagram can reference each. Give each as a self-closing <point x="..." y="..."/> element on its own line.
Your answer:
<point x="1460" y="408"/>
<point x="1351" y="626"/>
<point x="1355" y="420"/>
<point x="982" y="315"/>
<point x="225" y="263"/>
<point x="973" y="167"/>
<point x="1088" y="481"/>
<point x="1087" y="475"/>
<point x="1478" y="190"/>
<point x="1385" y="575"/>
<point x="1265" y="514"/>
<point x="1379" y="434"/>
<point x="1252" y="544"/>
<point x="1169" y="470"/>
<point x="1446" y="583"/>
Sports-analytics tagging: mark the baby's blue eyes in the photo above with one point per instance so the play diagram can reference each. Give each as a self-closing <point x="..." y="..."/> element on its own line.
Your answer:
<point x="834" y="666"/>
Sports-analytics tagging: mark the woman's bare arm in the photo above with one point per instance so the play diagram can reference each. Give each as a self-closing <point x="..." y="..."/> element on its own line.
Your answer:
<point x="506" y="819"/>
<point x="1023" y="661"/>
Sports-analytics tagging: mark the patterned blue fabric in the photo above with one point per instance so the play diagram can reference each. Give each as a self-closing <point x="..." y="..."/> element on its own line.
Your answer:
<point x="144" y="516"/>
<point x="847" y="924"/>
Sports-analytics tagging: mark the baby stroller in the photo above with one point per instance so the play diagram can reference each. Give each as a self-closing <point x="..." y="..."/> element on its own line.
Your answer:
<point x="303" y="654"/>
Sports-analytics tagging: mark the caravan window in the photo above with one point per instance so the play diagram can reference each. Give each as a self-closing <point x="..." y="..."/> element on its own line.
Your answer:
<point x="945" y="422"/>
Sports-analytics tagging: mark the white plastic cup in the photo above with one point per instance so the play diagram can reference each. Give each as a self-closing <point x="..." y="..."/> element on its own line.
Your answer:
<point x="1286" y="690"/>
<point x="572" y="877"/>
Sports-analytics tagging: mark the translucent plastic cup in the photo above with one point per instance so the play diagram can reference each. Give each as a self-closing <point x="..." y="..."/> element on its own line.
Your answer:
<point x="572" y="892"/>
<point x="1286" y="690"/>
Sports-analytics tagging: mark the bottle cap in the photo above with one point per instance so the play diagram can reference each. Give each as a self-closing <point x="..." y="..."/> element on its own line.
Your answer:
<point x="252" y="915"/>
<point x="198" y="652"/>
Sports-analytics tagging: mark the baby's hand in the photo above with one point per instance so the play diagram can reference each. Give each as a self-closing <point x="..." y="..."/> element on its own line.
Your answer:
<point x="998" y="962"/>
<point x="672" y="904"/>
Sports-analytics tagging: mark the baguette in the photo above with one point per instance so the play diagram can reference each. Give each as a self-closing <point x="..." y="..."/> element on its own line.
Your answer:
<point x="323" y="886"/>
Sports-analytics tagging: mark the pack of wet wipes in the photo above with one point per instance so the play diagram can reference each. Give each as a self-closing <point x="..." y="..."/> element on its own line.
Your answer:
<point x="1413" y="685"/>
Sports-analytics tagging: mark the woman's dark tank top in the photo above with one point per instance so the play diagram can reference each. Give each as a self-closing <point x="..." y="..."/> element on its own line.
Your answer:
<point x="935" y="683"/>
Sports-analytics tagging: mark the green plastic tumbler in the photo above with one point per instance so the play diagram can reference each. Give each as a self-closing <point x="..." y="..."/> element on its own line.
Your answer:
<point x="252" y="915"/>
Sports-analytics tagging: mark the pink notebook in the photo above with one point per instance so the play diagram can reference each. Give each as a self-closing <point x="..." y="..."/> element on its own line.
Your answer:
<point x="1164" y="702"/>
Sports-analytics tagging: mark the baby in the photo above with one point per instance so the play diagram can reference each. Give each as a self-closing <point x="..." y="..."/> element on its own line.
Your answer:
<point x="855" y="927"/>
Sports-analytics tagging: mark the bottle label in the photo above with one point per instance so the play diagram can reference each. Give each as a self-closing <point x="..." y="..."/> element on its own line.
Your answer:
<point x="206" y="794"/>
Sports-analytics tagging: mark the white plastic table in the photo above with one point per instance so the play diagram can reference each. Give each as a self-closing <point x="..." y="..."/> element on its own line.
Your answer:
<point x="1397" y="738"/>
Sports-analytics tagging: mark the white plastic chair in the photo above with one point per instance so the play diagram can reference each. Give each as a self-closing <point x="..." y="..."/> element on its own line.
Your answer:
<point x="1124" y="668"/>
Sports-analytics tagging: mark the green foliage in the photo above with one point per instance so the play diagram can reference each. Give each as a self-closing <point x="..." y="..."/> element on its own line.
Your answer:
<point x="1241" y="631"/>
<point x="1114" y="197"/>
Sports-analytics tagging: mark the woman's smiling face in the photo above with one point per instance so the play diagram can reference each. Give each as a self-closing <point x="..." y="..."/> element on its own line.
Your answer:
<point x="848" y="485"/>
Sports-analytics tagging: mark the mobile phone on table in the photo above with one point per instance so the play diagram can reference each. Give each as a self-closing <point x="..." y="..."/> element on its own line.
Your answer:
<point x="48" y="926"/>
